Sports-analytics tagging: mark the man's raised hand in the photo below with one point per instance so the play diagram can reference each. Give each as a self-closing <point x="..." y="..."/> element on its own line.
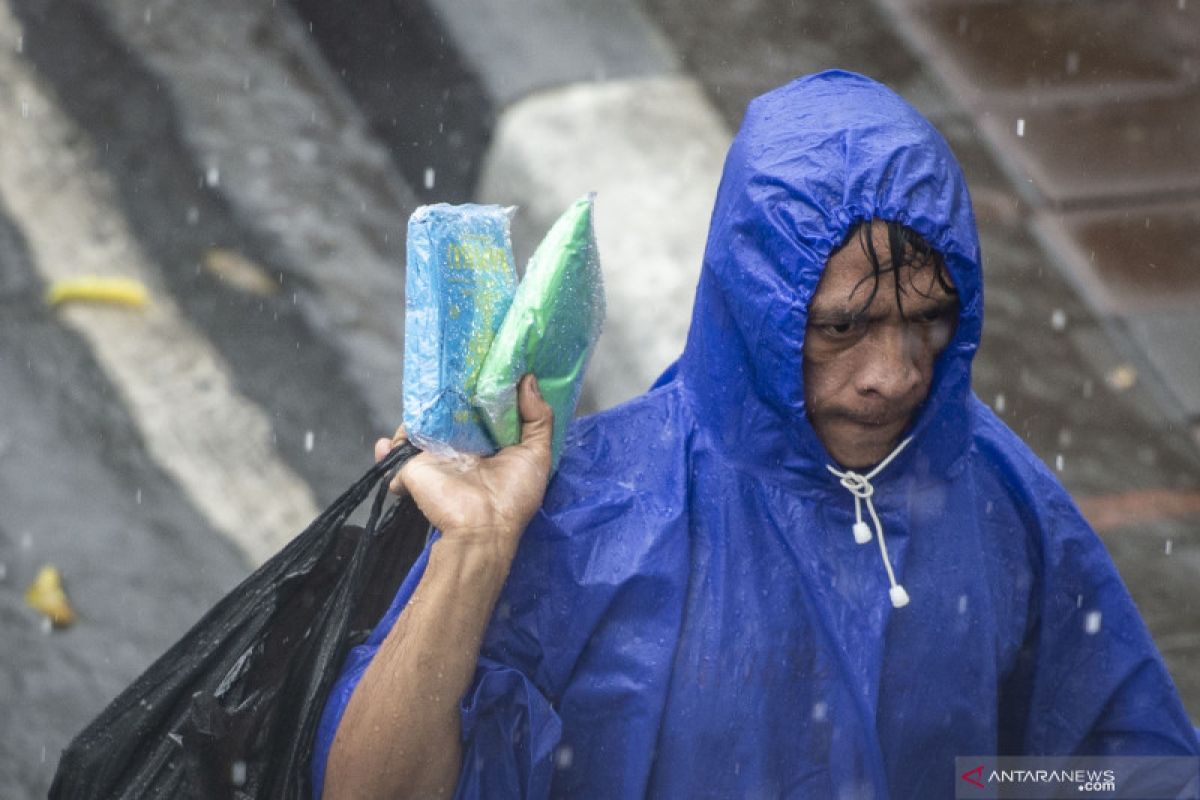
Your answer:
<point x="488" y="503"/>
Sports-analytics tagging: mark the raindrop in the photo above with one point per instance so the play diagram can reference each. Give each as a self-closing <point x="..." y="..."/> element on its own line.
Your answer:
<point x="146" y="15"/>
<point x="4" y="567"/>
<point x="1058" y="319"/>
<point x="21" y="43"/>
<point x="820" y="711"/>
<point x="25" y="109"/>
<point x="429" y="177"/>
<point x="1122" y="378"/>
<point x="1021" y="126"/>
<point x="237" y="773"/>
<point x="1091" y="623"/>
<point x="43" y="754"/>
<point x="999" y="403"/>
<point x="1079" y="601"/>
<point x="47" y="625"/>
<point x="564" y="756"/>
<point x="213" y="176"/>
<point x="1089" y="387"/>
<point x="137" y="497"/>
<point x="1072" y="62"/>
<point x="1182" y="4"/>
<point x="246" y="83"/>
<point x="26" y="540"/>
<point x="962" y="604"/>
<point x="309" y="439"/>
<point x="1058" y="462"/>
<point x="962" y="24"/>
<point x="1064" y="437"/>
<point x="193" y="215"/>
<point x="1166" y="549"/>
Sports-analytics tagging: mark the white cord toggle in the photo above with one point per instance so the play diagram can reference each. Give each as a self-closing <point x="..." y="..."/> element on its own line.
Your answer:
<point x="860" y="486"/>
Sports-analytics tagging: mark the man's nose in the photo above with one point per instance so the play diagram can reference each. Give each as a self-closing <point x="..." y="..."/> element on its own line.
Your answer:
<point x="889" y="368"/>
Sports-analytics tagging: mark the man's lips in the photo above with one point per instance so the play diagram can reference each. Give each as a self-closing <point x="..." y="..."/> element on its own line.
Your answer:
<point x="872" y="422"/>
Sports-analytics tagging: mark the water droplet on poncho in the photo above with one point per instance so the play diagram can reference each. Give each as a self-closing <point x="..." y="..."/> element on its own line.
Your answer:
<point x="1091" y="623"/>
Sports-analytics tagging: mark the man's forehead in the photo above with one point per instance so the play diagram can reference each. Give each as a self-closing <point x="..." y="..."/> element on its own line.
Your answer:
<point x="848" y="284"/>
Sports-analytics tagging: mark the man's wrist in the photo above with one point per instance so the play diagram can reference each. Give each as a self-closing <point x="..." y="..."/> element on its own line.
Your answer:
<point x="478" y="552"/>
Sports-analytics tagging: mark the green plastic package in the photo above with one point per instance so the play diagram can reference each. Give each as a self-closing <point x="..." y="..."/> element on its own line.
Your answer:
<point x="550" y="329"/>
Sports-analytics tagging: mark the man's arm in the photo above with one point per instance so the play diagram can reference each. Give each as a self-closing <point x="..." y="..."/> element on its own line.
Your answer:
<point x="399" y="736"/>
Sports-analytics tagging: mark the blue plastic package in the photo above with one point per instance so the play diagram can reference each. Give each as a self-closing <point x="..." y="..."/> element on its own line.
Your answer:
<point x="459" y="285"/>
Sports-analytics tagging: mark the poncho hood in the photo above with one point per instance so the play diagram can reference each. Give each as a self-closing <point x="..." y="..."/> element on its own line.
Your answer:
<point x="812" y="159"/>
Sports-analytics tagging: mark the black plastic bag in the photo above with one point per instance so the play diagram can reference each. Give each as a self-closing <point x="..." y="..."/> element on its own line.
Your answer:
<point x="231" y="710"/>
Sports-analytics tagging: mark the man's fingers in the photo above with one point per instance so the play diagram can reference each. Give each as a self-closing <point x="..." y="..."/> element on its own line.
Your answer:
<point x="537" y="417"/>
<point x="383" y="445"/>
<point x="399" y="437"/>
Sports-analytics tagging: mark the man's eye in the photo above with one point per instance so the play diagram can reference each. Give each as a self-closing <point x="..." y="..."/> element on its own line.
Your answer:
<point x="839" y="330"/>
<point x="932" y="315"/>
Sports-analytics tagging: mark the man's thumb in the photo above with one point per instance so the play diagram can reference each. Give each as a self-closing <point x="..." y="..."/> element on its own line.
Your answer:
<point x="537" y="417"/>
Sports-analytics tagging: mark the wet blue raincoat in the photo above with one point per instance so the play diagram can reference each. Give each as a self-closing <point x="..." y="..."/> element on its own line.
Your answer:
<point x="689" y="615"/>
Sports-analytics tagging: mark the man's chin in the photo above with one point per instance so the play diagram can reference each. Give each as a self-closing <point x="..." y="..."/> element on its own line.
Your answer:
<point x="859" y="450"/>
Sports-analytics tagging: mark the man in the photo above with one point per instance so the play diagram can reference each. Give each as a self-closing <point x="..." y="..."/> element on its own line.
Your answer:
<point x="808" y="562"/>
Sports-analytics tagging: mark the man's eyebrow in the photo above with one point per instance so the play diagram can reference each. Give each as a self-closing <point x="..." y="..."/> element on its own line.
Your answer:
<point x="834" y="316"/>
<point x="947" y="303"/>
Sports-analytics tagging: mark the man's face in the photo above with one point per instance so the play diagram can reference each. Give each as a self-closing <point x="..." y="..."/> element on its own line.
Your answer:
<point x="868" y="367"/>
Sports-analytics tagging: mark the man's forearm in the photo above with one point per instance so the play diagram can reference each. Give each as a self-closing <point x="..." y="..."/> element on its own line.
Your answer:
<point x="400" y="735"/>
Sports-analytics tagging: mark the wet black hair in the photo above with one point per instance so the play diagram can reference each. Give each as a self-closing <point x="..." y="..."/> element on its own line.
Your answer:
<point x="915" y="253"/>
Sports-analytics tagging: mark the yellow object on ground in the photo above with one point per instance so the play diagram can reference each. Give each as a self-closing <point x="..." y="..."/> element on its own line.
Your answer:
<point x="46" y="594"/>
<point x="97" y="289"/>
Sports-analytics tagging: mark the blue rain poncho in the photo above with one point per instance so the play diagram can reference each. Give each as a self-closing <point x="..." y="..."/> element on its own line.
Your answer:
<point x="689" y="614"/>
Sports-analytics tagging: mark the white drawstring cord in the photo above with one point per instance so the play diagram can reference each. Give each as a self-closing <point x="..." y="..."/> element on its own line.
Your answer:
<point x="860" y="486"/>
